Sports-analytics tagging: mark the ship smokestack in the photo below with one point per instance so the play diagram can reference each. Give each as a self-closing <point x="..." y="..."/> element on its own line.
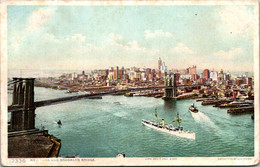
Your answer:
<point x="163" y="123"/>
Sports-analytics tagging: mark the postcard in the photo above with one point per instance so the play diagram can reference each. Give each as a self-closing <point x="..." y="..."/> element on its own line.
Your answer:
<point x="112" y="83"/>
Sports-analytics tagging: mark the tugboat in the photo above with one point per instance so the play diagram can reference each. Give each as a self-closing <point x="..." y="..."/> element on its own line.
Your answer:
<point x="169" y="128"/>
<point x="193" y="108"/>
<point x="59" y="123"/>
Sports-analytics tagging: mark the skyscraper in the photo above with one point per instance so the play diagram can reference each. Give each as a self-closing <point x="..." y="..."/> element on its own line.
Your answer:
<point x="159" y="64"/>
<point x="206" y="74"/>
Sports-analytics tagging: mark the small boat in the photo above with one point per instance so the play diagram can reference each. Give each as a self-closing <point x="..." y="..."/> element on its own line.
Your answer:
<point x="169" y="128"/>
<point x="120" y="155"/>
<point x="116" y="102"/>
<point x="193" y="108"/>
<point x="129" y="94"/>
<point x="59" y="123"/>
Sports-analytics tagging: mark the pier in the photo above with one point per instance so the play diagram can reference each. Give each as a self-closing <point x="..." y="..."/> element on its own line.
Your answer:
<point x="241" y="110"/>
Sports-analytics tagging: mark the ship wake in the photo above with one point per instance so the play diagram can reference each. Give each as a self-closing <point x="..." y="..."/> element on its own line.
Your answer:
<point x="204" y="120"/>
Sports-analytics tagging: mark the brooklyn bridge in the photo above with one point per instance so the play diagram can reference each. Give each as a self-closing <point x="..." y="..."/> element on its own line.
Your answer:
<point x="23" y="105"/>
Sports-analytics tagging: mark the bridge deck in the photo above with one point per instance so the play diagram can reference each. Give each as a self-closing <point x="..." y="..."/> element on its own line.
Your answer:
<point x="78" y="97"/>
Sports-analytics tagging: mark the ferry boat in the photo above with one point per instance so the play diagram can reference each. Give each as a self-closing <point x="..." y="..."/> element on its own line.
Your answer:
<point x="169" y="128"/>
<point x="129" y="94"/>
<point x="193" y="108"/>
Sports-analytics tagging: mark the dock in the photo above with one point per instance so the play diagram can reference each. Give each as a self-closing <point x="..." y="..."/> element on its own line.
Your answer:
<point x="33" y="144"/>
<point x="241" y="110"/>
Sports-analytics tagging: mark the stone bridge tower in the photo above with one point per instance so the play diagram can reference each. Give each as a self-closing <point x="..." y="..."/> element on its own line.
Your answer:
<point x="170" y="82"/>
<point x="23" y="98"/>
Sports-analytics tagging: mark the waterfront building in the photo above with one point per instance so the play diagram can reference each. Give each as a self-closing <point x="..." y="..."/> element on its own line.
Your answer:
<point x="111" y="74"/>
<point x="116" y="73"/>
<point x="121" y="73"/>
<point x="239" y="81"/>
<point x="158" y="74"/>
<point x="229" y="82"/>
<point x="249" y="81"/>
<point x="187" y="71"/>
<point x="178" y="75"/>
<point x="195" y="77"/>
<point x="143" y="76"/>
<point x="191" y="70"/>
<point x="226" y="76"/>
<point x="213" y="75"/>
<point x="221" y="75"/>
<point x="138" y="75"/>
<point x="206" y="74"/>
<point x="201" y="80"/>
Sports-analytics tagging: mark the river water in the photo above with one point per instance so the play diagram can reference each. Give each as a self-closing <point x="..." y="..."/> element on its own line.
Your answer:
<point x="102" y="128"/>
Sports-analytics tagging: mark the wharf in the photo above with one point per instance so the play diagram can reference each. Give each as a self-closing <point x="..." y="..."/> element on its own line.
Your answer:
<point x="203" y="99"/>
<point x="240" y="110"/>
<point x="210" y="102"/>
<point x="96" y="97"/>
<point x="32" y="144"/>
<point x="185" y="95"/>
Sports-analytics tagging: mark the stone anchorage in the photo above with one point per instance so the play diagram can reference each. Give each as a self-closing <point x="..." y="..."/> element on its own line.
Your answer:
<point x="24" y="140"/>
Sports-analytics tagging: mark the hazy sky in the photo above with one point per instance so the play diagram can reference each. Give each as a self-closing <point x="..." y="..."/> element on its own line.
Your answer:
<point x="85" y="37"/>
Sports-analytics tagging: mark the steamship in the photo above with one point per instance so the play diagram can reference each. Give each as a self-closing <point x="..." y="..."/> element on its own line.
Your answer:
<point x="193" y="108"/>
<point x="169" y="128"/>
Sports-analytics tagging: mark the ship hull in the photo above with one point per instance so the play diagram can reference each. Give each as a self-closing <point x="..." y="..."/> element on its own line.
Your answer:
<point x="178" y="133"/>
<point x="193" y="110"/>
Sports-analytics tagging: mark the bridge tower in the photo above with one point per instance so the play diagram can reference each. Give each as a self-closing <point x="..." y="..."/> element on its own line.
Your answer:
<point x="23" y="96"/>
<point x="170" y="81"/>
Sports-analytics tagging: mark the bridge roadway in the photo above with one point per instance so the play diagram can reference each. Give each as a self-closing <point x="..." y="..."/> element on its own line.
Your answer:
<point x="78" y="97"/>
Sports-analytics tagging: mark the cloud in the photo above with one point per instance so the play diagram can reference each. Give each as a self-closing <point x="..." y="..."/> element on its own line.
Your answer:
<point x="182" y="50"/>
<point x="75" y="52"/>
<point x="157" y="33"/>
<point x="236" y="19"/>
<point x="35" y="22"/>
<point x="77" y="38"/>
<point x="114" y="38"/>
<point x="233" y="52"/>
<point x="39" y="18"/>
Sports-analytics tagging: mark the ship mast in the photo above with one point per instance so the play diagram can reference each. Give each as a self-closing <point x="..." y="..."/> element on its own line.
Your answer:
<point x="178" y="120"/>
<point x="156" y="115"/>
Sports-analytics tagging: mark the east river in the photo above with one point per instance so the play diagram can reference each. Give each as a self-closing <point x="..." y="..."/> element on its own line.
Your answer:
<point x="104" y="127"/>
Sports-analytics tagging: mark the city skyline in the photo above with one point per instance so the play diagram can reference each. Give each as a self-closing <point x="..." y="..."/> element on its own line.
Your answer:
<point x="55" y="37"/>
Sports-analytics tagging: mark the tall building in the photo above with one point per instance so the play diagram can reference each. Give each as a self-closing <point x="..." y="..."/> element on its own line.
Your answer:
<point x="164" y="68"/>
<point x="227" y="76"/>
<point x="246" y="74"/>
<point x="159" y="64"/>
<point x="116" y="73"/>
<point x="206" y="74"/>
<point x="249" y="81"/>
<point x="239" y="81"/>
<point x="213" y="75"/>
<point x="221" y="75"/>
<point x="191" y="70"/>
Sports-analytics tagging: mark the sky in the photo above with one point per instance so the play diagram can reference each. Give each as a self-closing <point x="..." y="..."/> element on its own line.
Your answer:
<point x="99" y="37"/>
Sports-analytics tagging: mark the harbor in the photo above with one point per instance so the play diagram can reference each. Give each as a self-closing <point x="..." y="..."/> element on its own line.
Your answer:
<point x="105" y="127"/>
